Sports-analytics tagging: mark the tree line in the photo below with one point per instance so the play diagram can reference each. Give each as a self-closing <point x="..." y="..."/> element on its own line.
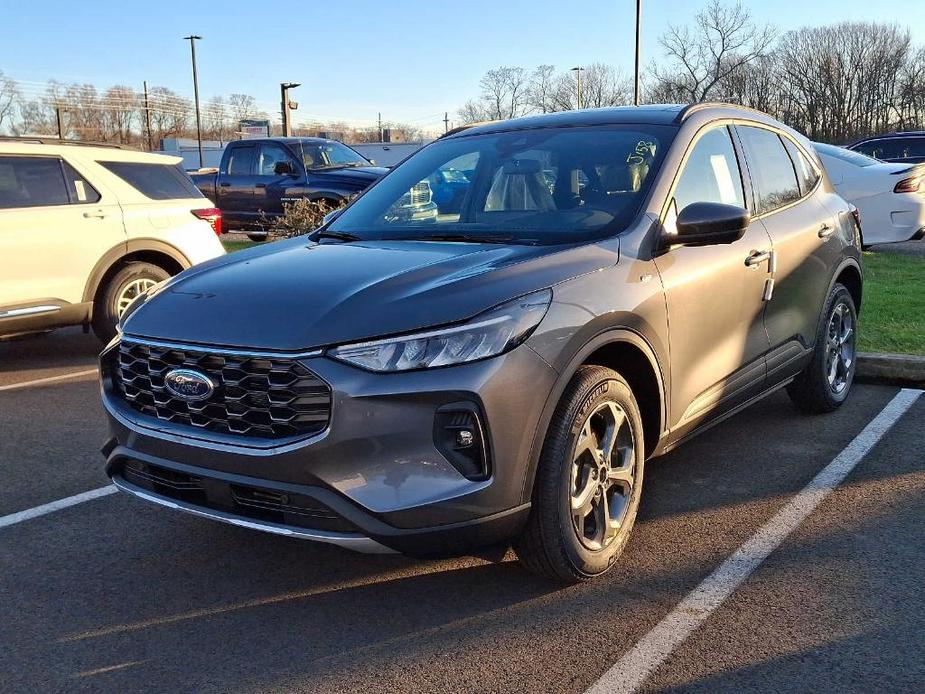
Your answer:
<point x="835" y="83"/>
<point x="124" y="115"/>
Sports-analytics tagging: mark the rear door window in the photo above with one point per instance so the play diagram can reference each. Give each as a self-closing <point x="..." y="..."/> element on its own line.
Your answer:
<point x="241" y="161"/>
<point x="156" y="181"/>
<point x="79" y="190"/>
<point x="807" y="176"/>
<point x="774" y="176"/>
<point x="32" y="182"/>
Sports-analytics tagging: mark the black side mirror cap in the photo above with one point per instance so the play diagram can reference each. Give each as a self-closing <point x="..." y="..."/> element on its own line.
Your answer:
<point x="283" y="168"/>
<point x="707" y="223"/>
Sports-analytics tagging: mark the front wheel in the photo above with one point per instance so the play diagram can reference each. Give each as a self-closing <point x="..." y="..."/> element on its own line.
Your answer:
<point x="589" y="480"/>
<point x="824" y="384"/>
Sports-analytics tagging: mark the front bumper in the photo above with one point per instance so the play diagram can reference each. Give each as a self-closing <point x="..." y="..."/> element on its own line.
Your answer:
<point x="376" y="469"/>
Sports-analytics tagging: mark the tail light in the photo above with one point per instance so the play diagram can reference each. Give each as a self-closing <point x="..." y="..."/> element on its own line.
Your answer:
<point x="908" y="185"/>
<point x="212" y="215"/>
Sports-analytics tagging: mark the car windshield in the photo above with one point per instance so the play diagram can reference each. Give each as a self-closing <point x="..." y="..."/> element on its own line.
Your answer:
<point x="539" y="186"/>
<point x="321" y="155"/>
<point x="845" y="155"/>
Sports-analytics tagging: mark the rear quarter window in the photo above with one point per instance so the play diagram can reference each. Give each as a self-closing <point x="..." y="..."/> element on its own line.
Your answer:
<point x="156" y="181"/>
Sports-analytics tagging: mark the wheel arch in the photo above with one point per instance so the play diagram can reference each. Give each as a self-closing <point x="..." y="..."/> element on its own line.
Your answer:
<point x="146" y="250"/>
<point x="627" y="352"/>
<point x="849" y="274"/>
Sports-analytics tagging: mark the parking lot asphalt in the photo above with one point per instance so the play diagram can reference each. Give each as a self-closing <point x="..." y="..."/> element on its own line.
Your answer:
<point x="118" y="595"/>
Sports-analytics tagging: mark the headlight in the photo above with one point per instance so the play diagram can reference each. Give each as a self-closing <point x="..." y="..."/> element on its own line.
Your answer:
<point x="488" y="334"/>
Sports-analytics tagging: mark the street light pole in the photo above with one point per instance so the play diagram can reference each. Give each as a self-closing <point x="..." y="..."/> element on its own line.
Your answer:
<point x="636" y="88"/>
<point x="284" y="88"/>
<point x="577" y="71"/>
<point x="192" y="46"/>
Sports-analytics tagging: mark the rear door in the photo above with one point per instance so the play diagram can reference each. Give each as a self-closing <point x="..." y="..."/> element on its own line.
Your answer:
<point x="271" y="186"/>
<point x="801" y="229"/>
<point x="237" y="182"/>
<point x="55" y="225"/>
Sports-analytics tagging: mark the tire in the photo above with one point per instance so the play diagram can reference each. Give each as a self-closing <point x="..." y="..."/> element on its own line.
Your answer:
<point x="258" y="236"/>
<point x="111" y="299"/>
<point x="814" y="390"/>
<point x="561" y="543"/>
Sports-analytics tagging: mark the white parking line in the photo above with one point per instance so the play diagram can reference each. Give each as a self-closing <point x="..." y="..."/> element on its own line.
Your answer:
<point x="49" y="379"/>
<point x="53" y="506"/>
<point x="628" y="674"/>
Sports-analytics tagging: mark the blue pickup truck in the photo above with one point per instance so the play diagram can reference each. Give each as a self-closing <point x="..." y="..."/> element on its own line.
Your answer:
<point x="258" y="176"/>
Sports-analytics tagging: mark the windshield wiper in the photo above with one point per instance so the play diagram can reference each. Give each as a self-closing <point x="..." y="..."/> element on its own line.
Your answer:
<point x="463" y="238"/>
<point x="339" y="235"/>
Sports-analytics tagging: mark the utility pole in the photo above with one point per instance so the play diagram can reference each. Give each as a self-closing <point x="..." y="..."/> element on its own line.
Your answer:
<point x="577" y="70"/>
<point x="60" y="122"/>
<point x="380" y="126"/>
<point x="636" y="88"/>
<point x="286" y="106"/>
<point x="446" y="121"/>
<point x="192" y="46"/>
<point x="148" y="118"/>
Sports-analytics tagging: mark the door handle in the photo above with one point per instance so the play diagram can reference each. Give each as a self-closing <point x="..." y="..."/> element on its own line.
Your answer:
<point x="99" y="214"/>
<point x="260" y="185"/>
<point x="757" y="257"/>
<point x="224" y="184"/>
<point x="826" y="230"/>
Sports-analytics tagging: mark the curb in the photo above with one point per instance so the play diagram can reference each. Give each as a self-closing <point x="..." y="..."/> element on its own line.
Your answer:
<point x="891" y="369"/>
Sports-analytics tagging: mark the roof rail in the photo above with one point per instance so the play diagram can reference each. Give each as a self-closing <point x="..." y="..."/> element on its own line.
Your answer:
<point x="39" y="140"/>
<point x="691" y="109"/>
<point x="461" y="128"/>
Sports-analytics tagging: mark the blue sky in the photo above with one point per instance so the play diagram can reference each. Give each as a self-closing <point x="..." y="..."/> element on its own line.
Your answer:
<point x="410" y="60"/>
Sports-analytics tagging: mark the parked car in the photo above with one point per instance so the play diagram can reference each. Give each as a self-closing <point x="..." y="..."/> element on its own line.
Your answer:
<point x="908" y="147"/>
<point x="257" y="177"/>
<point x="501" y="373"/>
<point x="890" y="196"/>
<point x="86" y="229"/>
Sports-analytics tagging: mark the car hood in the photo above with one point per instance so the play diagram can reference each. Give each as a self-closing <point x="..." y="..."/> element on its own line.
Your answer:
<point x="295" y="294"/>
<point x="357" y="175"/>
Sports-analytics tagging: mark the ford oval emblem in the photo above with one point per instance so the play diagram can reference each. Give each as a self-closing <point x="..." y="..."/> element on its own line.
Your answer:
<point x="189" y="385"/>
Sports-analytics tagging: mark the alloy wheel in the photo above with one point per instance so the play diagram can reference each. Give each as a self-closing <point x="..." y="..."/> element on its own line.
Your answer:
<point x="840" y="348"/>
<point x="602" y="476"/>
<point x="131" y="291"/>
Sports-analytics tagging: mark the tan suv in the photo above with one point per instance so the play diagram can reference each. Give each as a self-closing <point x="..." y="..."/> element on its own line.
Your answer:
<point x="85" y="229"/>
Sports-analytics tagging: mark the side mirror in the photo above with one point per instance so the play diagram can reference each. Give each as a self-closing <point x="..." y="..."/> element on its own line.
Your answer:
<point x="283" y="168"/>
<point x="710" y="223"/>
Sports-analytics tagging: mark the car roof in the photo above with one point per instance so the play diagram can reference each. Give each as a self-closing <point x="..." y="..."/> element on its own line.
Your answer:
<point x="81" y="150"/>
<point x="656" y="114"/>
<point x="288" y="140"/>
<point x="890" y="136"/>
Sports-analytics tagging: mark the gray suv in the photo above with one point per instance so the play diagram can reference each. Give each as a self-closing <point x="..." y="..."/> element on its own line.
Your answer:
<point x="611" y="283"/>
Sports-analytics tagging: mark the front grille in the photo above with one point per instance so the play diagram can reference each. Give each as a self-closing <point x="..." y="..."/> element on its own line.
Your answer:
<point x="268" y="397"/>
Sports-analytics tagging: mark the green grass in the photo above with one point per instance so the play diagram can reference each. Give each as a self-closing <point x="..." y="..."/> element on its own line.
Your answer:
<point x="893" y="311"/>
<point x="893" y="314"/>
<point x="234" y="245"/>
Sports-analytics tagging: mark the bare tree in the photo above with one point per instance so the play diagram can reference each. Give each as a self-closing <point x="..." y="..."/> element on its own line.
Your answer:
<point x="9" y="95"/>
<point x="541" y="90"/>
<point x="723" y="40"/>
<point x="242" y="107"/>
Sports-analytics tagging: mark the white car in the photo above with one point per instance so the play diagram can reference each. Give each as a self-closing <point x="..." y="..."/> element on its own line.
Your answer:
<point x="85" y="229"/>
<point x="889" y="197"/>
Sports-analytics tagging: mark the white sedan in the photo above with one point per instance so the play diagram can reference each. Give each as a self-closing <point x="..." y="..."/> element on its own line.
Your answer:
<point x="890" y="197"/>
